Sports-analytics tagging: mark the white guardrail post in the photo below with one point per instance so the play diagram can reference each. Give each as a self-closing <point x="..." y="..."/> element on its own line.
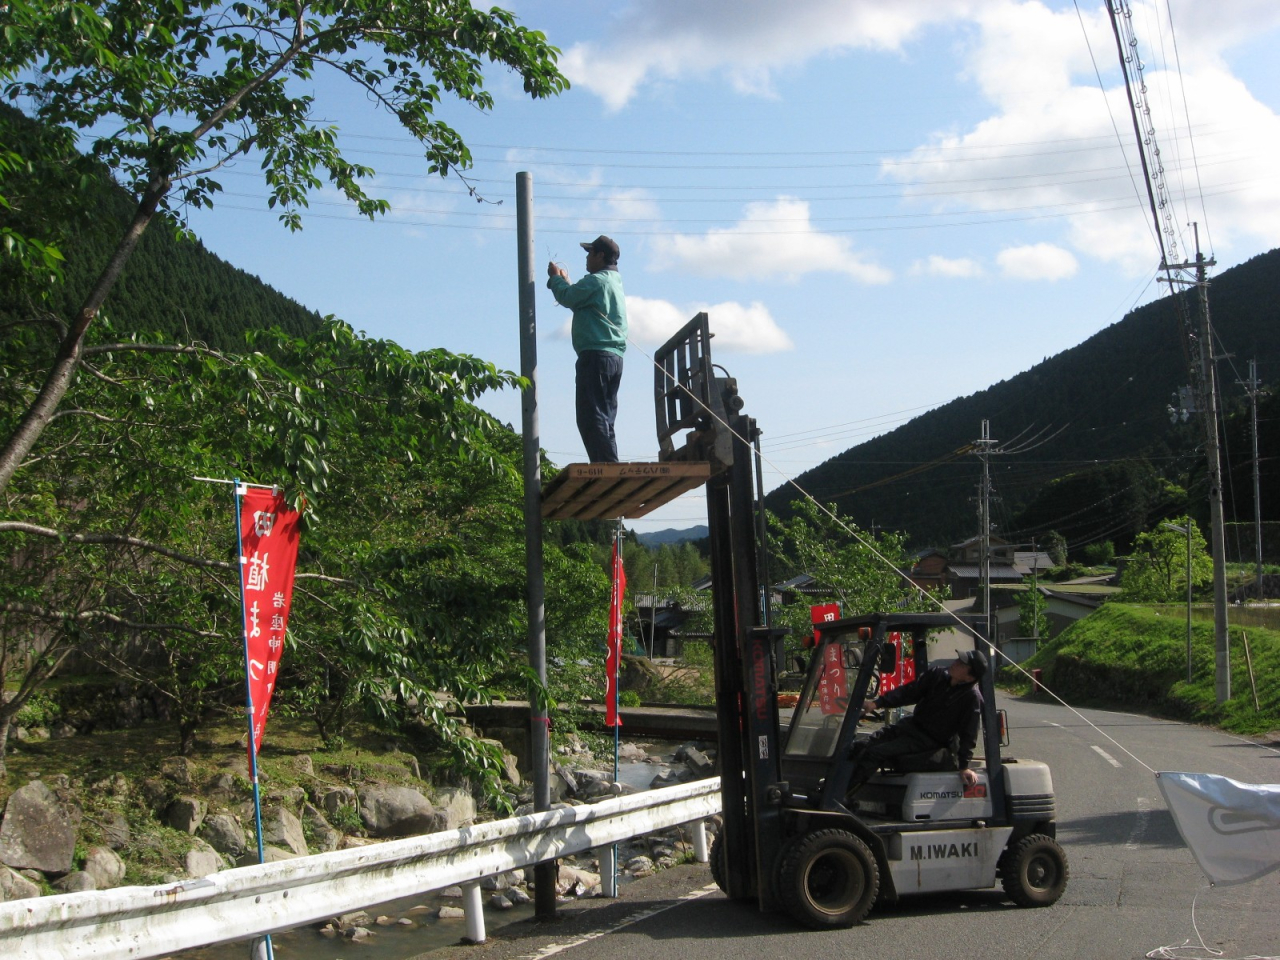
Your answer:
<point x="131" y="923"/>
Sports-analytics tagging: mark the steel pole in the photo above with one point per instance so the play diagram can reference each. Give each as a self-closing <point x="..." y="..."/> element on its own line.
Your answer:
<point x="539" y="722"/>
<point x="1188" y="599"/>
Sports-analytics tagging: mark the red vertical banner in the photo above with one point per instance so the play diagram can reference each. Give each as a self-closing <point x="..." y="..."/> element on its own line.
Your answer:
<point x="613" y="653"/>
<point x="833" y="687"/>
<point x="268" y="556"/>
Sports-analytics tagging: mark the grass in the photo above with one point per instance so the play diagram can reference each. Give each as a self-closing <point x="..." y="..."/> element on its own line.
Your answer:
<point x="1135" y="657"/>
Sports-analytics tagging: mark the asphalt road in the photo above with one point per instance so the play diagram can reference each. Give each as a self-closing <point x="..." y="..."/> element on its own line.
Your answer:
<point x="1131" y="891"/>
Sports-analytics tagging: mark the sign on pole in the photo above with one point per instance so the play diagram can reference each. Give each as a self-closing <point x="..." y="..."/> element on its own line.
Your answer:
<point x="268" y="556"/>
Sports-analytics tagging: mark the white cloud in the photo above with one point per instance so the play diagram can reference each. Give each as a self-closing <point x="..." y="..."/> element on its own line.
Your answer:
<point x="737" y="328"/>
<point x="746" y="41"/>
<point x="1049" y="149"/>
<point x="936" y="266"/>
<point x="773" y="239"/>
<point x="1037" y="261"/>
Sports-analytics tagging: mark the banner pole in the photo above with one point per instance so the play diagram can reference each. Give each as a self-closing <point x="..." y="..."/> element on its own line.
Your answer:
<point x="248" y="699"/>
<point x="617" y="686"/>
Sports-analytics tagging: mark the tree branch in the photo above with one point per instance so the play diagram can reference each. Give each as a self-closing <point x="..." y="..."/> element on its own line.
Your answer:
<point x="116" y="539"/>
<point x="45" y="613"/>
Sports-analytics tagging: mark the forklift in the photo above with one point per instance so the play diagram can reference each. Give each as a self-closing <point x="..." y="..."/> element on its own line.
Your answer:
<point x="794" y="839"/>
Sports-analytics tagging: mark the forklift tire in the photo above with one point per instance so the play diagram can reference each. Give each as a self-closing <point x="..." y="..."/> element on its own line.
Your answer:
<point x="719" y="862"/>
<point x="828" y="878"/>
<point x="1034" y="871"/>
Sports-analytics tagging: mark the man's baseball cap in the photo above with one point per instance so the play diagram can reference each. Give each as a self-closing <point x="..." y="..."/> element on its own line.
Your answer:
<point x="975" y="660"/>
<point x="603" y="245"/>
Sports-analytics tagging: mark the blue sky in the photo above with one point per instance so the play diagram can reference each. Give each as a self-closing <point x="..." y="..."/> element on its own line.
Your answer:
<point x="881" y="206"/>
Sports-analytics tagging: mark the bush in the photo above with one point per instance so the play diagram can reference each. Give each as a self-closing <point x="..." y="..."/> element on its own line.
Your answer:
<point x="1098" y="554"/>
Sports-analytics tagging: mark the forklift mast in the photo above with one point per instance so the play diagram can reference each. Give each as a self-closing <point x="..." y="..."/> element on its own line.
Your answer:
<point x="701" y="407"/>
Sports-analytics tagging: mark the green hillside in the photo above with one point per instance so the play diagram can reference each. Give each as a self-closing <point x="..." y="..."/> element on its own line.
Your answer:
<point x="171" y="286"/>
<point x="1101" y="411"/>
<point x="1136" y="657"/>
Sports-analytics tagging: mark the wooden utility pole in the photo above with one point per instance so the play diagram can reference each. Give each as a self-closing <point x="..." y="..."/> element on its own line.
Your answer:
<point x="1251" y="387"/>
<point x="1205" y="384"/>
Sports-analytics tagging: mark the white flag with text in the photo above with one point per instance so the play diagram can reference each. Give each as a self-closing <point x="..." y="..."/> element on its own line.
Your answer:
<point x="1232" y="828"/>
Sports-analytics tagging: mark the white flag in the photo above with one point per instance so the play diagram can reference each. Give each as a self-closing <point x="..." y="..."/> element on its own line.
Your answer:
<point x="1232" y="828"/>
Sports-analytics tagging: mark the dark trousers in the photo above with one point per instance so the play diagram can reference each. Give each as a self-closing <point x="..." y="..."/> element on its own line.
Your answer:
<point x="599" y="373"/>
<point x="889" y="743"/>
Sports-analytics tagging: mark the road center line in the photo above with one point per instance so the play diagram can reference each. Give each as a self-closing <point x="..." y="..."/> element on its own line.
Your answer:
<point x="1140" y="827"/>
<point x="553" y="948"/>
<point x="1106" y="756"/>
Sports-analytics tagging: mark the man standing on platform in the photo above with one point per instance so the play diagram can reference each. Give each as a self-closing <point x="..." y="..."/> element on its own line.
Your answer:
<point x="600" y="339"/>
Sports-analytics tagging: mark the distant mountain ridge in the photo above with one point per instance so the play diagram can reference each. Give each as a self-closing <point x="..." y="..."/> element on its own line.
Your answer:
<point x="1102" y="402"/>
<point x="673" y="536"/>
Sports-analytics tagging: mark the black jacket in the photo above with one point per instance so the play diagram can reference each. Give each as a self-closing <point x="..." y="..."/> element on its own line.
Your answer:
<point x="942" y="710"/>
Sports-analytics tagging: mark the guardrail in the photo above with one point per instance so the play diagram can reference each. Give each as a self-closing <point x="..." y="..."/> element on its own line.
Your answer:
<point x="138" y="922"/>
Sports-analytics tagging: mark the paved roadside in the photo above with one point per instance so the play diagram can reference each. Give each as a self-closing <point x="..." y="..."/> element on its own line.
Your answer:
<point x="579" y="921"/>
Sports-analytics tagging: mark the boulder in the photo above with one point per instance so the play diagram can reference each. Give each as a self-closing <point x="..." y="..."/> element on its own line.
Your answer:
<point x="223" y="833"/>
<point x="223" y="784"/>
<point x="639" y="867"/>
<point x="323" y="835"/>
<point x="269" y="855"/>
<point x="391" y="811"/>
<point x="61" y="731"/>
<point x="699" y="763"/>
<point x="202" y="860"/>
<point x="632" y="752"/>
<point x="186" y="814"/>
<point x="282" y="829"/>
<point x="456" y="806"/>
<point x="452" y="913"/>
<point x="304" y="765"/>
<point x="178" y="770"/>
<point x="115" y="830"/>
<point x="573" y="882"/>
<point x="293" y="797"/>
<point x="75" y="882"/>
<point x="516" y="895"/>
<point x="338" y="797"/>
<point x="14" y="886"/>
<point x="671" y="778"/>
<point x="105" y="866"/>
<point x="38" y="832"/>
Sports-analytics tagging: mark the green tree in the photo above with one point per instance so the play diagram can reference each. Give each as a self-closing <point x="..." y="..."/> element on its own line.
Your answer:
<point x="1033" y="619"/>
<point x="865" y="573"/>
<point x="124" y="557"/>
<point x="165" y="94"/>
<point x="1157" y="569"/>
<point x="1055" y="544"/>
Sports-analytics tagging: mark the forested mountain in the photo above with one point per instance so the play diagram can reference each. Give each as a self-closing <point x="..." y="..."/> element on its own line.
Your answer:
<point x="1101" y="458"/>
<point x="170" y="286"/>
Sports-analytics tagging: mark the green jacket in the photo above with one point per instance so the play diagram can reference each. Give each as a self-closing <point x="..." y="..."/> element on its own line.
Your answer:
<point x="599" y="310"/>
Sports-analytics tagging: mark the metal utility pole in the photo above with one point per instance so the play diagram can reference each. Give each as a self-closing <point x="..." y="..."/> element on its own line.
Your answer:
<point x="539" y="722"/>
<point x="1251" y="387"/>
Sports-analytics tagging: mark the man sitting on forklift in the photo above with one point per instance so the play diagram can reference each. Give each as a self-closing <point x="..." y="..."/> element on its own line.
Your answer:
<point x="939" y="735"/>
